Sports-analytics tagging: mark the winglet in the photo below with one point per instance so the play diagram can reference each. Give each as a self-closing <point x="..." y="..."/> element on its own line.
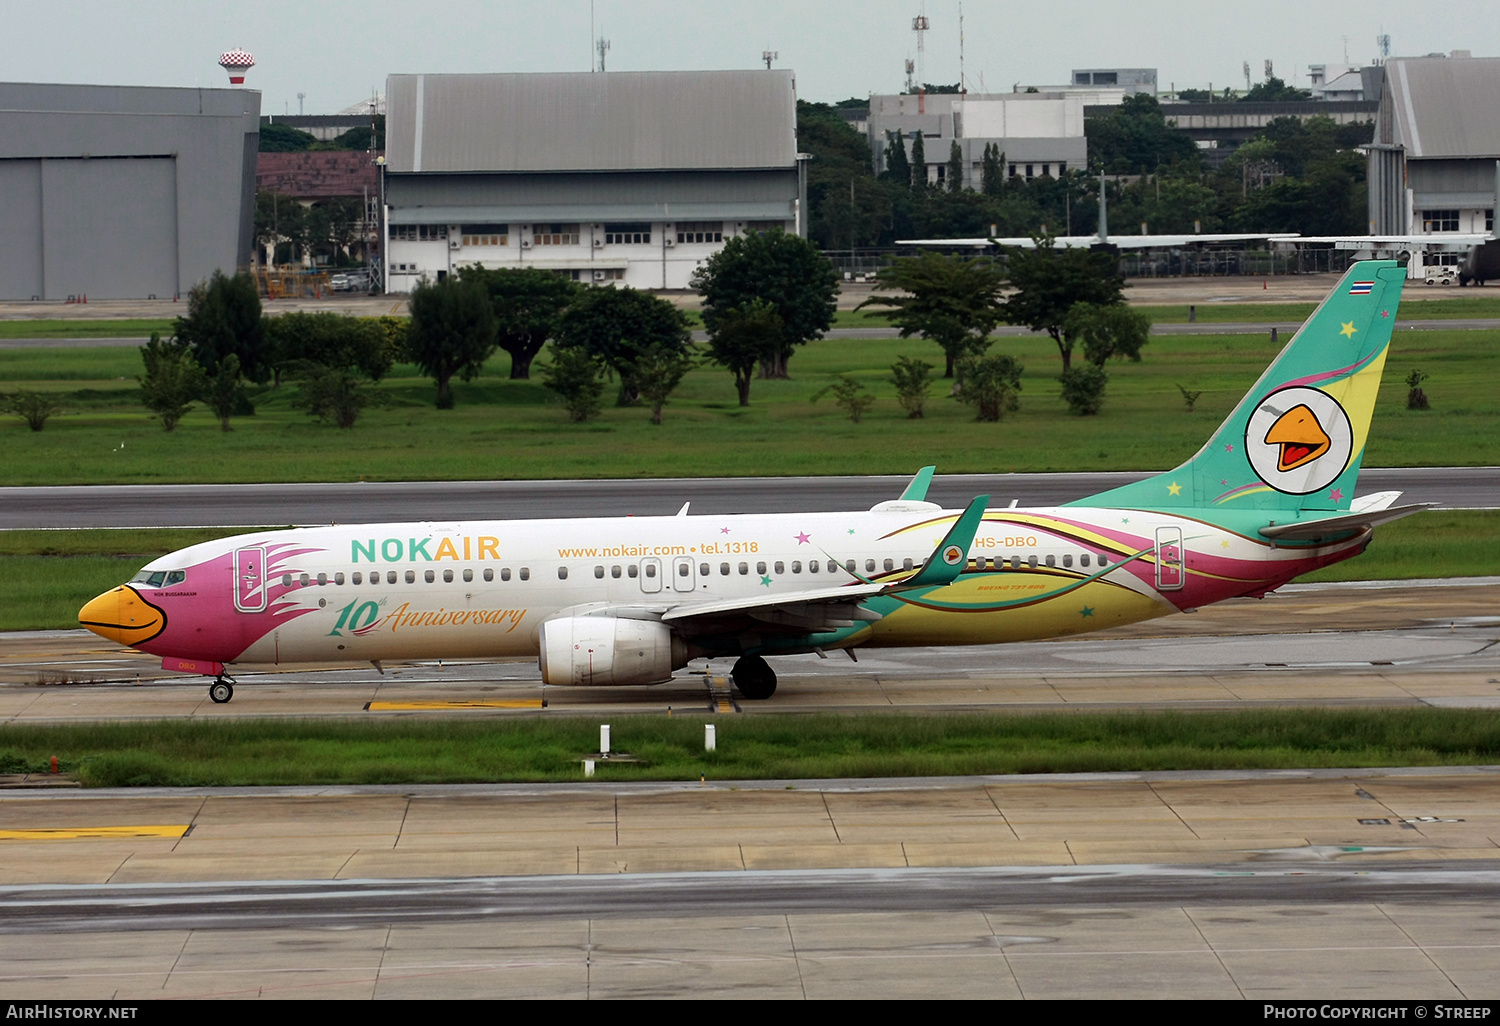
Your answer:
<point x="951" y="556"/>
<point x="916" y="491"/>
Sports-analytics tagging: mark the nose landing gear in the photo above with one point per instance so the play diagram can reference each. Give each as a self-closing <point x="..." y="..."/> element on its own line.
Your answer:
<point x="221" y="690"/>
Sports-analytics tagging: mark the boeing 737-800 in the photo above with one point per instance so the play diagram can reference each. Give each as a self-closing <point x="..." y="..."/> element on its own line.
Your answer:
<point x="628" y="600"/>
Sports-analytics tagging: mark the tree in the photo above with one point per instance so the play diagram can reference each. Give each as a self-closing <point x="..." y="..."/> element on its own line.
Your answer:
<point x="329" y="340"/>
<point x="1108" y="331"/>
<point x="658" y="371"/>
<point x="784" y="270"/>
<point x="913" y="380"/>
<point x="574" y="375"/>
<point x="991" y="385"/>
<point x="1136" y="135"/>
<point x="849" y="395"/>
<point x="224" y="319"/>
<point x="528" y="303"/>
<point x="948" y="300"/>
<point x="173" y="380"/>
<point x="742" y="339"/>
<point x="224" y="392"/>
<point x="1047" y="281"/>
<point x="955" y="167"/>
<point x="992" y="175"/>
<point x="276" y="138"/>
<point x="452" y="331"/>
<point x="897" y="167"/>
<point x="1416" y="396"/>
<point x="34" y="408"/>
<point x="918" y="163"/>
<point x="1274" y="90"/>
<point x="332" y="394"/>
<point x="618" y="326"/>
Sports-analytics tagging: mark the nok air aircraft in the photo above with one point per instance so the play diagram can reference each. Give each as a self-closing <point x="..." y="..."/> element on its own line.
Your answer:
<point x="628" y="600"/>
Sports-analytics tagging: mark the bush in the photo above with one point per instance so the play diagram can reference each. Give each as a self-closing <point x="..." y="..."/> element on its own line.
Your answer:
<point x="333" y="395"/>
<point x="574" y="376"/>
<point x="1416" y="399"/>
<point x="1083" y="389"/>
<point x="913" y="379"/>
<point x="32" y="407"/>
<point x="991" y="384"/>
<point x="849" y="395"/>
<point x="173" y="380"/>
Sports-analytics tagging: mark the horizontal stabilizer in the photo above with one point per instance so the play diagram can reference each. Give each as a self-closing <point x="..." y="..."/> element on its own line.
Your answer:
<point x="1337" y="527"/>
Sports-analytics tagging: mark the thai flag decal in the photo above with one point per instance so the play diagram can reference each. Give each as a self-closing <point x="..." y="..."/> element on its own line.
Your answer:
<point x="1361" y="288"/>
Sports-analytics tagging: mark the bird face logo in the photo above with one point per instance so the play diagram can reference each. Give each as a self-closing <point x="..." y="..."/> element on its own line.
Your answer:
<point x="952" y="555"/>
<point x="1300" y="436"/>
<point x="1299" y="440"/>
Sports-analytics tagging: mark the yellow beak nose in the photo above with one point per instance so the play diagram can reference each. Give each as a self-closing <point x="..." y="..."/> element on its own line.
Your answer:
<point x="122" y="615"/>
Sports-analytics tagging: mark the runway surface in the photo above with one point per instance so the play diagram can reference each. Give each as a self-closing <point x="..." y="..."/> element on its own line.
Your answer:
<point x="257" y="505"/>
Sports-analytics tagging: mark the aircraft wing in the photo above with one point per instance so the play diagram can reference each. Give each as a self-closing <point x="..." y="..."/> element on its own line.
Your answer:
<point x="1118" y="241"/>
<point x="1335" y="527"/>
<point x="820" y="609"/>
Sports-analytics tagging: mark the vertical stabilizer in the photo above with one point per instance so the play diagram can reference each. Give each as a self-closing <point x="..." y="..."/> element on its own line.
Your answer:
<point x="1295" y="442"/>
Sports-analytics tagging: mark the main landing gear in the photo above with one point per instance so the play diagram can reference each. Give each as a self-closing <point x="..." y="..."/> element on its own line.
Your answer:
<point x="754" y="677"/>
<point x="222" y="690"/>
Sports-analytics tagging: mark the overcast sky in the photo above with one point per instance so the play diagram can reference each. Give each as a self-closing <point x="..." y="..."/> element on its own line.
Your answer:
<point x="336" y="51"/>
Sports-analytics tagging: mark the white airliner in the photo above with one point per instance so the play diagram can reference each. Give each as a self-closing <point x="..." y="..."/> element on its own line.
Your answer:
<point x="628" y="600"/>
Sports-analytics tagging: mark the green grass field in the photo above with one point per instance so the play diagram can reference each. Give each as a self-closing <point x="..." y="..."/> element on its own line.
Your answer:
<point x="539" y="748"/>
<point x="46" y="576"/>
<point x="504" y="429"/>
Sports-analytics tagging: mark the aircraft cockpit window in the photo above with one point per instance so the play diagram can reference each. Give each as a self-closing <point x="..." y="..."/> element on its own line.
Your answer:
<point x="155" y="580"/>
<point x="176" y="576"/>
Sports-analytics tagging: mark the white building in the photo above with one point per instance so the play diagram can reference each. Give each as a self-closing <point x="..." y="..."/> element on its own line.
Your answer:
<point x="629" y="177"/>
<point x="1039" y="133"/>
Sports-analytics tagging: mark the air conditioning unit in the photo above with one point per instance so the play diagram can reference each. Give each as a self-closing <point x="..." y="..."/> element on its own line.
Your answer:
<point x="668" y="241"/>
<point x="599" y="276"/>
<point x="598" y="243"/>
<point x="525" y="243"/>
<point x="455" y="243"/>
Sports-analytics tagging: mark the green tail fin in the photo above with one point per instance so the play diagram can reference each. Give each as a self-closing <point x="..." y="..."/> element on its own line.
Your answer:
<point x="1295" y="442"/>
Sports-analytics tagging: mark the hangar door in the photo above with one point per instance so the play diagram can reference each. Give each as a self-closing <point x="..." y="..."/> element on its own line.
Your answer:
<point x="105" y="227"/>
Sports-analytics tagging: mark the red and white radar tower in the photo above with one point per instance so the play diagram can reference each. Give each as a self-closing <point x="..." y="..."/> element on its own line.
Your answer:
<point x="236" y="62"/>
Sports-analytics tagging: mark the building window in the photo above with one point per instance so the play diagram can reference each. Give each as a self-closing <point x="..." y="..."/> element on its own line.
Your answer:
<point x="419" y="233"/>
<point x="609" y="274"/>
<point x="1012" y="171"/>
<point x="1489" y="219"/>
<point x="485" y="234"/>
<point x="1030" y="170"/>
<point x="1440" y="220"/>
<point x="699" y="231"/>
<point x="631" y="234"/>
<point x="751" y="227"/>
<point x="554" y="235"/>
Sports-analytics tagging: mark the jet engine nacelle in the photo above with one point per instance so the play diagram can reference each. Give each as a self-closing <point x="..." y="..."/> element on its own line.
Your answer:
<point x="591" y="651"/>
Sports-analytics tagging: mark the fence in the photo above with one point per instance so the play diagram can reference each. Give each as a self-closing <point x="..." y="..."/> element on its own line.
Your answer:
<point x="862" y="264"/>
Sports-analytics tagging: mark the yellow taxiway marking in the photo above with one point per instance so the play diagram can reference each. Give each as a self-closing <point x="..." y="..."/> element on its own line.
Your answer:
<point x="94" y="833"/>
<point x="499" y="703"/>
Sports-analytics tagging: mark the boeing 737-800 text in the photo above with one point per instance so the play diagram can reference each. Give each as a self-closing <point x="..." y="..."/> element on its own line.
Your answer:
<point x="628" y="600"/>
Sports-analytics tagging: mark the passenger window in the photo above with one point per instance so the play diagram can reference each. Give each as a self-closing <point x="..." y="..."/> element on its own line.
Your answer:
<point x="358" y="578"/>
<point x="849" y="566"/>
<point x="322" y="579"/>
<point x="598" y="573"/>
<point x="1031" y="561"/>
<point x="1103" y="560"/>
<point x="468" y="576"/>
<point x="632" y="571"/>
<point x="429" y="577"/>
<point x="780" y="567"/>
<point x="906" y="564"/>
<point x="447" y="576"/>
<point x="1083" y="560"/>
<point x="489" y="574"/>
<point x="286" y="581"/>
<point x="890" y="564"/>
<point x="683" y="569"/>
<point x="744" y="569"/>
<point x="704" y="569"/>
<point x="614" y="571"/>
<point x="562" y="573"/>
<point x="1067" y="561"/>
<point x="869" y="566"/>
<point x="760" y="568"/>
<point x="338" y="579"/>
<point x="411" y="577"/>
<point x="305" y="580"/>
<point x="525" y="573"/>
<point x="724" y="569"/>
<point x="1052" y="561"/>
<point x="813" y="566"/>
<point x="650" y="569"/>
<point x="796" y="566"/>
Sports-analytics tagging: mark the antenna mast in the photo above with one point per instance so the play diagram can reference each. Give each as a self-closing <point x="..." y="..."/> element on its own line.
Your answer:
<point x="963" y="83"/>
<point x="920" y="25"/>
<point x="768" y="56"/>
